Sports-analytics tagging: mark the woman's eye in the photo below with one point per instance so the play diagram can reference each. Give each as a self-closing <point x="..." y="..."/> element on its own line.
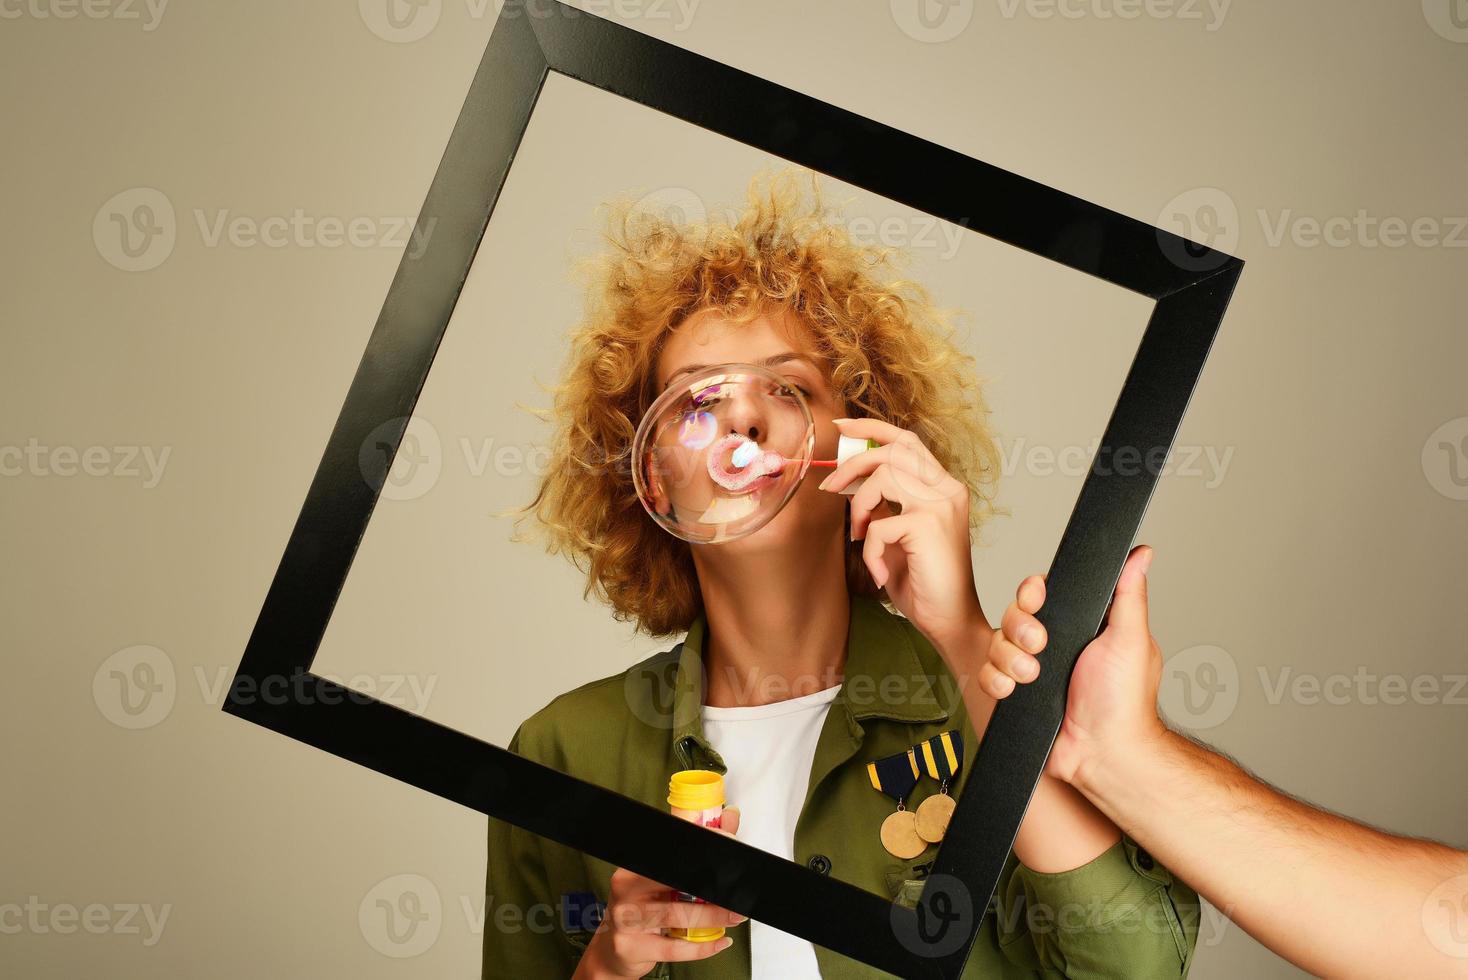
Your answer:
<point x="787" y="390"/>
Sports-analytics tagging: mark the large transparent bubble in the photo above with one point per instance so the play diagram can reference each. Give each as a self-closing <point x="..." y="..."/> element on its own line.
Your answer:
<point x="722" y="451"/>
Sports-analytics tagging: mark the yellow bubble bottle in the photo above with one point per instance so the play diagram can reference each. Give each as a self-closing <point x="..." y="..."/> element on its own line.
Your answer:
<point x="697" y="795"/>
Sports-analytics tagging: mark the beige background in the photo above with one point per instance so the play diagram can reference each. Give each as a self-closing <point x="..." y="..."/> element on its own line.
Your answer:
<point x="1325" y="549"/>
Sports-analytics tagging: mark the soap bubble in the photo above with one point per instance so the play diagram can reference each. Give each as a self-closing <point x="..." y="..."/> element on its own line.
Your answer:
<point x="722" y="451"/>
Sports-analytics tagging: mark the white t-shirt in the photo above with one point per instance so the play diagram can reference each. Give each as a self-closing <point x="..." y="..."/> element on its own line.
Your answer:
<point x="768" y="749"/>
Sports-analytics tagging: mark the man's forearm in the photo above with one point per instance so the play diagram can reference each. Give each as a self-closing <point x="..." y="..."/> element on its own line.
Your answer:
<point x="1332" y="896"/>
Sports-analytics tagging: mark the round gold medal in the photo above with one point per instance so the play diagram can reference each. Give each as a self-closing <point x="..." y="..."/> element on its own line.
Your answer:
<point x="932" y="818"/>
<point x="900" y="836"/>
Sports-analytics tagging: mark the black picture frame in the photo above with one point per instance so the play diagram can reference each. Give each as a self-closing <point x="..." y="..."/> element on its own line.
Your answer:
<point x="1190" y="283"/>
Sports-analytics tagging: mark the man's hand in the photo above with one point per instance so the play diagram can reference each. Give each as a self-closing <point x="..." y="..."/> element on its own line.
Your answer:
<point x="1113" y="692"/>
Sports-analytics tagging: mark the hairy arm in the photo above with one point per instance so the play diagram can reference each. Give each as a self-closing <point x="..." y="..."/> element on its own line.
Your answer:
<point x="1328" y="894"/>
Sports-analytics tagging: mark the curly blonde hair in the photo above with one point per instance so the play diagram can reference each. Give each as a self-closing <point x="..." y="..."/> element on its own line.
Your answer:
<point x="888" y="353"/>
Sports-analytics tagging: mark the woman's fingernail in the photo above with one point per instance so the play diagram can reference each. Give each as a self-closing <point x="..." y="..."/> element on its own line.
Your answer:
<point x="725" y="943"/>
<point x="823" y="483"/>
<point x="1026" y="668"/>
<point x="839" y="421"/>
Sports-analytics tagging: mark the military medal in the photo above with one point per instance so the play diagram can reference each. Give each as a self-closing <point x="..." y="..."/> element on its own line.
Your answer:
<point x="896" y="776"/>
<point x="942" y="757"/>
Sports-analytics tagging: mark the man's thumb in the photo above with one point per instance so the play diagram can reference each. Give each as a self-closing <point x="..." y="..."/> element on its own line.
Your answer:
<point x="1128" y="615"/>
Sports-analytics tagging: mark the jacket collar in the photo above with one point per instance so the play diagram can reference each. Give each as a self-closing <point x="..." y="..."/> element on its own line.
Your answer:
<point x="883" y="672"/>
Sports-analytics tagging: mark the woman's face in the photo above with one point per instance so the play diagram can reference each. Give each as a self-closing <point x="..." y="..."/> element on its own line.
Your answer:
<point x="778" y="342"/>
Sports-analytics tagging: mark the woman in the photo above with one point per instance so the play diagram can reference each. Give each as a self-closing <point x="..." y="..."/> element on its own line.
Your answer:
<point x="794" y="674"/>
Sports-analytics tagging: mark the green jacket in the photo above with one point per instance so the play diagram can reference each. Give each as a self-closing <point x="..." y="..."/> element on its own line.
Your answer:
<point x="1121" y="915"/>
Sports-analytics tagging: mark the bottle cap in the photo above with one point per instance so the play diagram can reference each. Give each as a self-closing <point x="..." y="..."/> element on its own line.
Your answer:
<point x="847" y="447"/>
<point x="696" y="789"/>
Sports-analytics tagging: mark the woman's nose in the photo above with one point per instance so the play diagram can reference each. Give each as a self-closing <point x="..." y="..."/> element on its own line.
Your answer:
<point x="747" y="417"/>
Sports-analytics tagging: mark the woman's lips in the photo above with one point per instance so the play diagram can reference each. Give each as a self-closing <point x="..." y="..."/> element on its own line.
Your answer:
<point x="763" y="469"/>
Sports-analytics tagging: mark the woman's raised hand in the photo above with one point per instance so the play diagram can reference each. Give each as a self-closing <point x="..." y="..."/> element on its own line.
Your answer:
<point x="922" y="555"/>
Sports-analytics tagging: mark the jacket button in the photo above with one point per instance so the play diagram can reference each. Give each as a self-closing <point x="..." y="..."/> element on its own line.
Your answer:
<point x="1144" y="860"/>
<point x="820" y="864"/>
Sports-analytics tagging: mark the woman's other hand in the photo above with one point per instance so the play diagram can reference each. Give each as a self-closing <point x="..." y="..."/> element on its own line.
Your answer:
<point x="629" y="941"/>
<point x="922" y="555"/>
